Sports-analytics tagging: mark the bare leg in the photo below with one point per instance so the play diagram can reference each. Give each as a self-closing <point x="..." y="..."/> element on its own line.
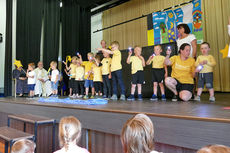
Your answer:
<point x="211" y="92"/>
<point x="70" y="91"/>
<point x="93" y="91"/>
<point x="162" y="88"/>
<point x="133" y="89"/>
<point x="155" y="88"/>
<point x="199" y="91"/>
<point x="171" y="84"/>
<point x="139" y="88"/>
<point x="87" y="91"/>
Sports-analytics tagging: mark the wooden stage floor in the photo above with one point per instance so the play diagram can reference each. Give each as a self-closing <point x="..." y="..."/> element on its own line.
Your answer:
<point x="179" y="126"/>
<point x="218" y="111"/>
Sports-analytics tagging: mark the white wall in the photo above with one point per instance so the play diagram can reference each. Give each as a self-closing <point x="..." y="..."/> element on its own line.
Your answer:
<point x="96" y="24"/>
<point x="2" y="44"/>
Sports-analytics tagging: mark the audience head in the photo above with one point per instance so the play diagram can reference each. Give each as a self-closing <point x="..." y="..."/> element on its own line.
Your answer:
<point x="98" y="58"/>
<point x="31" y="66"/>
<point x="183" y="28"/>
<point x="185" y="50"/>
<point x="214" y="149"/>
<point x="137" y="135"/>
<point x="115" y="45"/>
<point x="53" y="64"/>
<point x="103" y="43"/>
<point x="90" y="56"/>
<point x="205" y="48"/>
<point x="23" y="146"/>
<point x="157" y="49"/>
<point x="69" y="131"/>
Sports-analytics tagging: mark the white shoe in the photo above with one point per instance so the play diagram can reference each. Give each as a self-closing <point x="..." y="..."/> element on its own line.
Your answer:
<point x="212" y="99"/>
<point x="197" y="98"/>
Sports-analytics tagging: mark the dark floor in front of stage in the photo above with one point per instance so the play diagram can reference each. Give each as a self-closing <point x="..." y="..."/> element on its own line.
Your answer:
<point x="203" y="109"/>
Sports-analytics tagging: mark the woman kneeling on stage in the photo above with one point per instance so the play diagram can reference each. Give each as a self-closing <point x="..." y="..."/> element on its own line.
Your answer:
<point x="183" y="71"/>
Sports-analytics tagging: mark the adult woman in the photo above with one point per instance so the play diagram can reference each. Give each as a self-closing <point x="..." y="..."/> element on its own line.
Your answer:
<point x="183" y="72"/>
<point x="186" y="37"/>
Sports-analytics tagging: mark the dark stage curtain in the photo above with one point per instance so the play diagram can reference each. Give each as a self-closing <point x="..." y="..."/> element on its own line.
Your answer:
<point x="8" y="52"/>
<point x="51" y="31"/>
<point x="75" y="29"/>
<point x="28" y="33"/>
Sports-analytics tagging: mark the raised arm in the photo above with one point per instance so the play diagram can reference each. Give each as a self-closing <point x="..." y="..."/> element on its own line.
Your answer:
<point x="104" y="50"/>
<point x="142" y="59"/>
<point x="149" y="60"/>
<point x="167" y="61"/>
<point x="194" y="47"/>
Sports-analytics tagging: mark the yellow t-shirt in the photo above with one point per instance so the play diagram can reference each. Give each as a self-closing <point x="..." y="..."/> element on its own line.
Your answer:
<point x="136" y="64"/>
<point x="72" y="70"/>
<point x="80" y="71"/>
<point x="88" y="67"/>
<point x="106" y="65"/>
<point x="158" y="62"/>
<point x="182" y="70"/>
<point x="207" y="67"/>
<point x="97" y="72"/>
<point x="116" y="61"/>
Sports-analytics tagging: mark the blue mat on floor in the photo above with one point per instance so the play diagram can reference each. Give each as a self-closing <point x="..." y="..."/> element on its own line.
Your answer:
<point x="74" y="101"/>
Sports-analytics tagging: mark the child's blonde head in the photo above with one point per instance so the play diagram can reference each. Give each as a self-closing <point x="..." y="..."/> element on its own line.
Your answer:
<point x="23" y="146"/>
<point x="32" y="65"/>
<point x="69" y="131"/>
<point x="137" y="50"/>
<point x="214" y="149"/>
<point x="115" y="44"/>
<point x="74" y="58"/>
<point x="137" y="135"/>
<point x="53" y="64"/>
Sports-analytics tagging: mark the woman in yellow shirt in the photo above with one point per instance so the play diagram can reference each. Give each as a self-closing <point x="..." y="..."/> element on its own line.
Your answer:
<point x="183" y="71"/>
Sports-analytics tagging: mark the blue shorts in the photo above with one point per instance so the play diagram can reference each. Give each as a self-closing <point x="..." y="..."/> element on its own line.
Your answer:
<point x="31" y="87"/>
<point x="54" y="86"/>
<point x="89" y="83"/>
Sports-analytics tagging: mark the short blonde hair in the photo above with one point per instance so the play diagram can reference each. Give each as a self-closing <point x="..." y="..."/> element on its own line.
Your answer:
<point x="74" y="58"/>
<point x="158" y="46"/>
<point x="53" y="63"/>
<point x="137" y="135"/>
<point x="90" y="54"/>
<point x="69" y="130"/>
<point x="214" y="149"/>
<point x="23" y="146"/>
<point x="115" y="43"/>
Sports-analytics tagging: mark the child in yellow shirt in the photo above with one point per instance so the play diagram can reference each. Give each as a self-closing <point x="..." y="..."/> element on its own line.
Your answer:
<point x="97" y="76"/>
<point x="138" y="62"/>
<point x="79" y="80"/>
<point x="88" y="74"/>
<point x="106" y="75"/>
<point x="116" y="69"/>
<point x="159" y="71"/>
<point x="205" y="64"/>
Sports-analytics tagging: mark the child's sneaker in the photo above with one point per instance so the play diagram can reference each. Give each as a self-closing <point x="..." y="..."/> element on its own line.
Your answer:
<point x="86" y="97"/>
<point x="163" y="98"/>
<point x="175" y="98"/>
<point x="122" y="97"/>
<point x="92" y="97"/>
<point x="104" y="97"/>
<point x="130" y="98"/>
<point x="197" y="98"/>
<point x="114" y="97"/>
<point x="212" y="99"/>
<point x="140" y="97"/>
<point x="154" y="98"/>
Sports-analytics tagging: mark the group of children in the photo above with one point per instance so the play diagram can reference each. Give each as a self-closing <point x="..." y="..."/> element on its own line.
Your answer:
<point x="96" y="73"/>
<point x="137" y="136"/>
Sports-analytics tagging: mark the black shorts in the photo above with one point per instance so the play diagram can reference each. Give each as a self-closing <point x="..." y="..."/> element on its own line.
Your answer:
<point x="158" y="75"/>
<point x="98" y="86"/>
<point x="182" y="86"/>
<point x="205" y="78"/>
<point x="138" y="77"/>
<point x="71" y="82"/>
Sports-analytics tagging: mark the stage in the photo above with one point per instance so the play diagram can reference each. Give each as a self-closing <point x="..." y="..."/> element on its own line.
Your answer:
<point x="179" y="126"/>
